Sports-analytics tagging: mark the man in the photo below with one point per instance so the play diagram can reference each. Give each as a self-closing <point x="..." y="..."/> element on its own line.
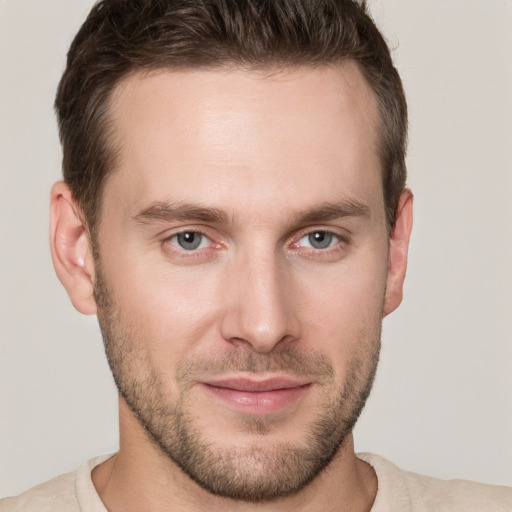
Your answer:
<point x="234" y="211"/>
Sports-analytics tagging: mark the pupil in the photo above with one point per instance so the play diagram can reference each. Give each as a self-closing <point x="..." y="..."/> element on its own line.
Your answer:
<point x="189" y="240"/>
<point x="320" y="239"/>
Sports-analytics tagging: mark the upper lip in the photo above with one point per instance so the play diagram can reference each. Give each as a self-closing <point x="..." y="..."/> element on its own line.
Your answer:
<point x="258" y="384"/>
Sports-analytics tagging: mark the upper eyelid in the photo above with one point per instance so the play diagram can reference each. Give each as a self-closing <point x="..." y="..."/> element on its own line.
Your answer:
<point x="167" y="235"/>
<point x="343" y="234"/>
<point x="340" y="240"/>
<point x="170" y="238"/>
<point x="179" y="231"/>
<point x="174" y="237"/>
<point x="171" y="247"/>
<point x="308" y="233"/>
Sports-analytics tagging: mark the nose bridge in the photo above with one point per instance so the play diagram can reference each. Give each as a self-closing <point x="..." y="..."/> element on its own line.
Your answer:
<point x="261" y="310"/>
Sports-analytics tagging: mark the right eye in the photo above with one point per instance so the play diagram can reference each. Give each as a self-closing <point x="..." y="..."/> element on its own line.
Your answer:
<point x="319" y="239"/>
<point x="190" y="240"/>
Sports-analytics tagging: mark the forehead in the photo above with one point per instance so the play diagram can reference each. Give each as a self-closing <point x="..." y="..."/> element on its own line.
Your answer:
<point x="210" y="135"/>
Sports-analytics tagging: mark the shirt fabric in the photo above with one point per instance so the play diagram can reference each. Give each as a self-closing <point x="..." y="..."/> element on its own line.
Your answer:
<point x="398" y="491"/>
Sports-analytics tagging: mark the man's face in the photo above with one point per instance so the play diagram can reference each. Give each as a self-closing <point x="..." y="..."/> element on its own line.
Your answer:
<point x="242" y="268"/>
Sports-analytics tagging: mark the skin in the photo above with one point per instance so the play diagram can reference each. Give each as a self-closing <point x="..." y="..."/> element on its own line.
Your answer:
<point x="266" y="151"/>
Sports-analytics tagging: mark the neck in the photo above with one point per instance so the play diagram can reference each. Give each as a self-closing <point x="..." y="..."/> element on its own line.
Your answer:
<point x="141" y="477"/>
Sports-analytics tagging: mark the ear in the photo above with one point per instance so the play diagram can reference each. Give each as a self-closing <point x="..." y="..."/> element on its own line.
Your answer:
<point x="71" y="249"/>
<point x="397" y="254"/>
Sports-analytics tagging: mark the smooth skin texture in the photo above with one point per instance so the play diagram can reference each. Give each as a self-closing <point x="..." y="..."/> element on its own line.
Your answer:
<point x="245" y="220"/>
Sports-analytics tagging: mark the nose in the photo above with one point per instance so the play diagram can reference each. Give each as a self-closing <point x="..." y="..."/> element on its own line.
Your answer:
<point x="260" y="300"/>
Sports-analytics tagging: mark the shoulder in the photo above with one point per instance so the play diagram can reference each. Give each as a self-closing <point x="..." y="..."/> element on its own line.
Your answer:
<point x="425" y="494"/>
<point x="72" y="492"/>
<point x="453" y="495"/>
<point x="56" y="494"/>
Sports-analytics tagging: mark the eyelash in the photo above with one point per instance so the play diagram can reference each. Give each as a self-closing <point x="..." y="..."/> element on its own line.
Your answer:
<point x="182" y="252"/>
<point x="340" y="241"/>
<point x="330" y="235"/>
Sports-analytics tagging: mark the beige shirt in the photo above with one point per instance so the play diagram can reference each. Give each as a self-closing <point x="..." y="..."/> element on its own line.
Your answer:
<point x="398" y="491"/>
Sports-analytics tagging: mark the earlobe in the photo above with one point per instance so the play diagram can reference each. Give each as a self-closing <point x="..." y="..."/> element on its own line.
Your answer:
<point x="71" y="250"/>
<point x="398" y="250"/>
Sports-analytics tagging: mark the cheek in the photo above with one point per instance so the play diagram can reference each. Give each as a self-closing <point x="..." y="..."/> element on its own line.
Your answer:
<point x="342" y="311"/>
<point x="170" y="309"/>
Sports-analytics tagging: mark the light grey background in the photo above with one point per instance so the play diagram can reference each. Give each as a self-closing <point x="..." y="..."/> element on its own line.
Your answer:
<point x="442" y="403"/>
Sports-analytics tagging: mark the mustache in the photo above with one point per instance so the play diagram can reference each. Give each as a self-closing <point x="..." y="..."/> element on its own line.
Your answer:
<point x="287" y="360"/>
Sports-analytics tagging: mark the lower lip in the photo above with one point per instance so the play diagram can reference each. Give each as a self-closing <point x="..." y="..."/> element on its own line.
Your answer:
<point x="258" y="402"/>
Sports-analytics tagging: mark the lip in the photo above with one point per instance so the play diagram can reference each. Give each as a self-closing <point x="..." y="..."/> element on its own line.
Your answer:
<point x="258" y="396"/>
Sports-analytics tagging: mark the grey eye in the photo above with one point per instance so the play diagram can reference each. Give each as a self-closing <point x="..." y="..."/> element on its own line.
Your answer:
<point x="320" y="239"/>
<point x="190" y="240"/>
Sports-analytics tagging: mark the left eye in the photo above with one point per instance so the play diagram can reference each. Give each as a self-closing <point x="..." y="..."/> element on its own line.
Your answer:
<point x="190" y="240"/>
<point x="319" y="240"/>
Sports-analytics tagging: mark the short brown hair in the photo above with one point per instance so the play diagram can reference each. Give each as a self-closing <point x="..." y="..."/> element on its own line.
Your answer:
<point x="120" y="37"/>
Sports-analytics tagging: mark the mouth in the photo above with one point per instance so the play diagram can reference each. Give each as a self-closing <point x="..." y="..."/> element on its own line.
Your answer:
<point x="258" y="396"/>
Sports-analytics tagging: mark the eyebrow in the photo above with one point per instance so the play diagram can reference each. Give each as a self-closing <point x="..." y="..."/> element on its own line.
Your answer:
<point x="167" y="212"/>
<point x="332" y="211"/>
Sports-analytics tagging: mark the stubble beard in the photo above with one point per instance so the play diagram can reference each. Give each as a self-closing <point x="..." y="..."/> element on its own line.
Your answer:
<point x="263" y="471"/>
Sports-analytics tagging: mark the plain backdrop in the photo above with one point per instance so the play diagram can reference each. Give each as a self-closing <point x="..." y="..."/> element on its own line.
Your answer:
<point x="442" y="403"/>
